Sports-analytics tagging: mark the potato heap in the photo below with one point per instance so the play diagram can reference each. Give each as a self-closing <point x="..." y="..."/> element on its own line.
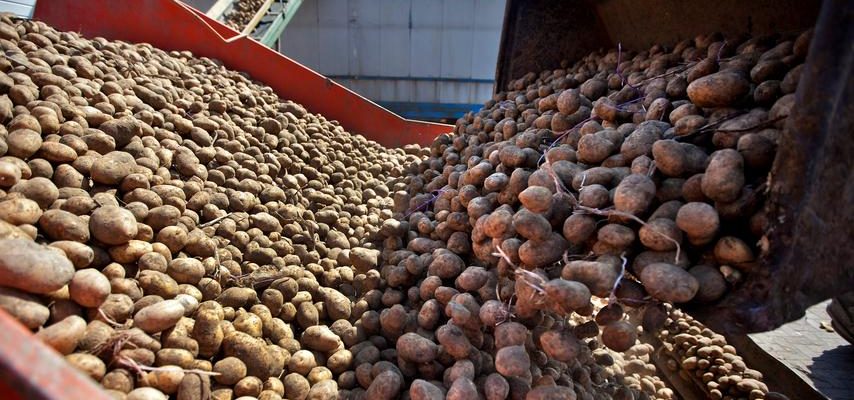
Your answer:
<point x="633" y="177"/>
<point x="174" y="228"/>
<point x="241" y="13"/>
<point x="702" y="356"/>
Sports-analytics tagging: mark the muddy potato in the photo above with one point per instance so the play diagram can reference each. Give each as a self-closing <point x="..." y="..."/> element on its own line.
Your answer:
<point x="386" y="385"/>
<point x="113" y="225"/>
<point x="660" y="234"/>
<point x="33" y="268"/>
<point x="712" y="284"/>
<point x="699" y="221"/>
<point x="146" y="393"/>
<point x="296" y="386"/>
<point x="10" y="174"/>
<point x="668" y="282"/>
<point x="619" y="335"/>
<point x="80" y="255"/>
<point x="159" y="316"/>
<point x="89" y="287"/>
<point x="19" y="211"/>
<point x="568" y="295"/>
<point x="512" y="361"/>
<point x="599" y="276"/>
<point x="88" y="364"/>
<point x="24" y="307"/>
<point x="724" y="177"/>
<point x="730" y="250"/>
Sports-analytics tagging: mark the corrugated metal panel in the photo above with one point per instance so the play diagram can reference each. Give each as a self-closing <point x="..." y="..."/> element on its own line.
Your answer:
<point x="201" y="5"/>
<point x="457" y="38"/>
<point x="332" y="49"/>
<point x="21" y="8"/>
<point x="426" y="46"/>
<point x="394" y="38"/>
<point x="364" y="37"/>
<point x="301" y="40"/>
<point x="488" y="19"/>
<point x="399" y="51"/>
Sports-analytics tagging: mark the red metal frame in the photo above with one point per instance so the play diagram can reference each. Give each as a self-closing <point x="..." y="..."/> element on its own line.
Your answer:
<point x="29" y="369"/>
<point x="172" y="25"/>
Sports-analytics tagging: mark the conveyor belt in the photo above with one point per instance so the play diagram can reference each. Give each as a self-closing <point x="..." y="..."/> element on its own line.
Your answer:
<point x="267" y="24"/>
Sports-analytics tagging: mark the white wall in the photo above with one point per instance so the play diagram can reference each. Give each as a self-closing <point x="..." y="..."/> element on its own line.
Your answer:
<point x="201" y="5"/>
<point x="21" y="8"/>
<point x="425" y="51"/>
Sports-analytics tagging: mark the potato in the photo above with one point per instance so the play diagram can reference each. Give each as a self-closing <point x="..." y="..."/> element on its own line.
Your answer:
<point x="711" y="281"/>
<point x="297" y="387"/>
<point x="512" y="361"/>
<point x="424" y="390"/>
<point x="24" y="307"/>
<point x="551" y="392"/>
<point x="186" y="270"/>
<point x="619" y="335"/>
<point x="699" y="221"/>
<point x="119" y="380"/>
<point x="531" y="226"/>
<point x="88" y="364"/>
<point x="537" y="254"/>
<point x="676" y="159"/>
<point x="536" y="199"/>
<point x="320" y="338"/>
<point x="9" y="231"/>
<point x="89" y="288"/>
<point x="660" y="234"/>
<point x="10" y="174"/>
<point x="194" y="387"/>
<point x="112" y="225"/>
<point x="560" y="345"/>
<point x="112" y="167"/>
<point x="386" y="385"/>
<point x="130" y="252"/>
<point x="146" y="393"/>
<point x="28" y="266"/>
<point x="230" y="369"/>
<point x="23" y="143"/>
<point x="39" y="189"/>
<point x="416" y="348"/>
<point x="159" y="316"/>
<point x="165" y="379"/>
<point x="258" y="359"/>
<point x="730" y="250"/>
<point x="720" y="89"/>
<point x="724" y="177"/>
<point x="20" y="211"/>
<point x="63" y="225"/>
<point x="567" y="295"/>
<point x="599" y="276"/>
<point x="668" y="282"/>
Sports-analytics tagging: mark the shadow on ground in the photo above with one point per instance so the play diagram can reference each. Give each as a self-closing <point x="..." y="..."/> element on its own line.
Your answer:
<point x="831" y="372"/>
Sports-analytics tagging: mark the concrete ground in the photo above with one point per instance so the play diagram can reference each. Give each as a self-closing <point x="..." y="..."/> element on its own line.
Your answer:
<point x="821" y="358"/>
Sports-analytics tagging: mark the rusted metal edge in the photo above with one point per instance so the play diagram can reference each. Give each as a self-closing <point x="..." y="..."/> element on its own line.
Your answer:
<point x="29" y="369"/>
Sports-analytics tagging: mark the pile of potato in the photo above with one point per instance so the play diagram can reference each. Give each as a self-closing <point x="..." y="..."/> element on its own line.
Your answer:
<point x="703" y="357"/>
<point x="176" y="230"/>
<point x="241" y="13"/>
<point x="636" y="177"/>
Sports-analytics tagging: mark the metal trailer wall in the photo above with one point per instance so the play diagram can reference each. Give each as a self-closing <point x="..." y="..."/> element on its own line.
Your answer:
<point x="423" y="59"/>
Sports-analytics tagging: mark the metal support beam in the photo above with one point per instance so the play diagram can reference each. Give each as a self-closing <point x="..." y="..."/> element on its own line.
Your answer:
<point x="274" y="32"/>
<point x="250" y="27"/>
